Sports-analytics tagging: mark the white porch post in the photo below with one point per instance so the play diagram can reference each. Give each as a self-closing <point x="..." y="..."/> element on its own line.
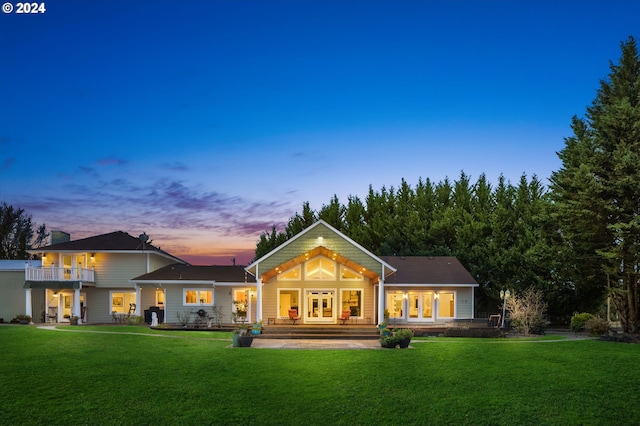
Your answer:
<point x="258" y="296"/>
<point x="381" y="297"/>
<point x="137" y="313"/>
<point x="27" y="306"/>
<point x="76" y="304"/>
<point x="473" y="300"/>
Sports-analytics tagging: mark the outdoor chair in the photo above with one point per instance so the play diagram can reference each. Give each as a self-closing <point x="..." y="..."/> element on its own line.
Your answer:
<point x="52" y="314"/>
<point x="345" y="316"/>
<point x="293" y="316"/>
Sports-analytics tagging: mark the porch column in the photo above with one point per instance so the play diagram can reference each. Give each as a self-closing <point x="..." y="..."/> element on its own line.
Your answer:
<point x="137" y="313"/>
<point x="258" y="297"/>
<point x="76" y="304"/>
<point x="27" y="306"/>
<point x="381" y="297"/>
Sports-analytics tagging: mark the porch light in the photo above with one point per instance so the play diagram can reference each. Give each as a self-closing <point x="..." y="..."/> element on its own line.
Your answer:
<point x="44" y="256"/>
<point x="93" y="256"/>
<point x="436" y="295"/>
<point x="405" y="296"/>
<point x="320" y="239"/>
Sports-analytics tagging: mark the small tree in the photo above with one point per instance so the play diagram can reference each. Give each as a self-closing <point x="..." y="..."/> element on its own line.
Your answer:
<point x="527" y="309"/>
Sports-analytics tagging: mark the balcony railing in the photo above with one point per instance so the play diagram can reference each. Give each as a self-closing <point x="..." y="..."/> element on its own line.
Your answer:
<point x="59" y="274"/>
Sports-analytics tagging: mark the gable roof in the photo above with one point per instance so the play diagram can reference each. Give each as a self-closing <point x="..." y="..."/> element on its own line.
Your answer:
<point x="320" y="234"/>
<point x="439" y="270"/>
<point x="180" y="273"/>
<point x="118" y="242"/>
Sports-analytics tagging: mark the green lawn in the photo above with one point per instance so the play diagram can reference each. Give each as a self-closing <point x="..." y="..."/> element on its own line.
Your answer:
<point x="51" y="377"/>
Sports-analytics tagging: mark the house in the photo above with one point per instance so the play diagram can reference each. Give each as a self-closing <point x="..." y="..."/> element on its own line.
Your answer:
<point x="89" y="278"/>
<point x="319" y="274"/>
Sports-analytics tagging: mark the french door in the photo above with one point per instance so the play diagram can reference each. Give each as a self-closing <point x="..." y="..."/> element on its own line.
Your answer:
<point x="420" y="306"/>
<point x="320" y="305"/>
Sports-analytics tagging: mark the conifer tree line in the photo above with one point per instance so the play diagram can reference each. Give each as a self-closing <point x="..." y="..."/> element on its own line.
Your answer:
<point x="576" y="240"/>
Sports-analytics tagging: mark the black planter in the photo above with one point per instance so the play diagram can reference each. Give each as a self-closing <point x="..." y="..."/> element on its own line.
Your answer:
<point x="245" y="341"/>
<point x="404" y="343"/>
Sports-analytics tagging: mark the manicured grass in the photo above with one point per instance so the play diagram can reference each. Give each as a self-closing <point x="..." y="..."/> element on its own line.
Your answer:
<point x="51" y="377"/>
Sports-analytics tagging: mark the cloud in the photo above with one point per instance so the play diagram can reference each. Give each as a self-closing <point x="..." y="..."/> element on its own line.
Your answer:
<point x="111" y="161"/>
<point x="176" y="166"/>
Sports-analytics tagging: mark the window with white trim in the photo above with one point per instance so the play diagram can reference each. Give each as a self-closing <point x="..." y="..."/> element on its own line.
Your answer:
<point x="121" y="301"/>
<point x="320" y="268"/>
<point x="197" y="297"/>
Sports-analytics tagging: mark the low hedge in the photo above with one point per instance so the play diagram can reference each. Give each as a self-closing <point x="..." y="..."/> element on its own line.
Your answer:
<point x="473" y="332"/>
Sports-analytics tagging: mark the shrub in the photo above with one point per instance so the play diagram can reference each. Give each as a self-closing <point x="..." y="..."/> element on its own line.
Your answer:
<point x="579" y="321"/>
<point x="527" y="309"/>
<point x="135" y="320"/>
<point x="473" y="332"/>
<point x="597" y="326"/>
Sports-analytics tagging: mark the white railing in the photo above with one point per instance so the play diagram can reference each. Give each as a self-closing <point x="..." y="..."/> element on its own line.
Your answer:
<point x="59" y="274"/>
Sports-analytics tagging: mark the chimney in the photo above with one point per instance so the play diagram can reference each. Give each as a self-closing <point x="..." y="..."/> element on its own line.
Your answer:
<point x="60" y="237"/>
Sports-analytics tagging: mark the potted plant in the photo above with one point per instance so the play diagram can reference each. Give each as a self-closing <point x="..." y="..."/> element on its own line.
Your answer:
<point x="388" y="341"/>
<point x="241" y="337"/>
<point x="73" y="320"/>
<point x="257" y="328"/>
<point x="404" y="336"/>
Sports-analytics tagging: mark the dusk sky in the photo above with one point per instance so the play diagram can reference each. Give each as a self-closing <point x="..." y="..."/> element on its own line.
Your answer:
<point x="203" y="123"/>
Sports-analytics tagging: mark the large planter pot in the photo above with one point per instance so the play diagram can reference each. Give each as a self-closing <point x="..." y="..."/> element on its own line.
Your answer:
<point x="73" y="322"/>
<point x="24" y="321"/>
<point x="236" y="340"/>
<point x="246" y="341"/>
<point x="404" y="343"/>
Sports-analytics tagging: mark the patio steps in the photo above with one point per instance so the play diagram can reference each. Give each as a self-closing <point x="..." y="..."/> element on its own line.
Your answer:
<point x="365" y="332"/>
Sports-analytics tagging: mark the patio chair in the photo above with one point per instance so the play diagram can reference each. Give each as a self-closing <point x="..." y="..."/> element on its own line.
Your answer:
<point x="52" y="314"/>
<point x="293" y="316"/>
<point x="345" y="316"/>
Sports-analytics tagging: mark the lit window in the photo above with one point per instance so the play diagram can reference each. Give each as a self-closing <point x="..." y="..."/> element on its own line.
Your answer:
<point x="347" y="274"/>
<point x="320" y="268"/>
<point x="121" y="301"/>
<point x="447" y="305"/>
<point x="352" y="301"/>
<point x="292" y="274"/>
<point x="198" y="297"/>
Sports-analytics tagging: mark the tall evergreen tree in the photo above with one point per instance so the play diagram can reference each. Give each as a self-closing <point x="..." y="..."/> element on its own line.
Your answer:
<point x="597" y="191"/>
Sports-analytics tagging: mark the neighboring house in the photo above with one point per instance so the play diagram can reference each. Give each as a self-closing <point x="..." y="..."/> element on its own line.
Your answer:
<point x="319" y="274"/>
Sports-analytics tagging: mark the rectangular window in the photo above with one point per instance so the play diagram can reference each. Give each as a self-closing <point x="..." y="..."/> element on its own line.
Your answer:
<point x="394" y="304"/>
<point x="447" y="305"/>
<point x="352" y="301"/>
<point x="197" y="297"/>
<point x="123" y="301"/>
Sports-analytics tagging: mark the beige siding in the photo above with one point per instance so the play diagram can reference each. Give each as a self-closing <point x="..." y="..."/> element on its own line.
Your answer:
<point x="12" y="294"/>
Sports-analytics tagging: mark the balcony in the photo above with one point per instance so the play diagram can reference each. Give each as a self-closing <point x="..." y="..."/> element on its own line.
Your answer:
<point x="59" y="274"/>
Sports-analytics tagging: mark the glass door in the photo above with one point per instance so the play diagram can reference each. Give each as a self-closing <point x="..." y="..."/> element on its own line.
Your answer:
<point x="320" y="306"/>
<point x="420" y="306"/>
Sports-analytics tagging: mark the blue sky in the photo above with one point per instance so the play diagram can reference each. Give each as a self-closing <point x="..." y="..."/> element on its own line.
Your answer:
<point x="202" y="123"/>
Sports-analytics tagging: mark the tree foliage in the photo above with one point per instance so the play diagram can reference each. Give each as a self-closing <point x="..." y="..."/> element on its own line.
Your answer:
<point x="17" y="234"/>
<point x="597" y="192"/>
